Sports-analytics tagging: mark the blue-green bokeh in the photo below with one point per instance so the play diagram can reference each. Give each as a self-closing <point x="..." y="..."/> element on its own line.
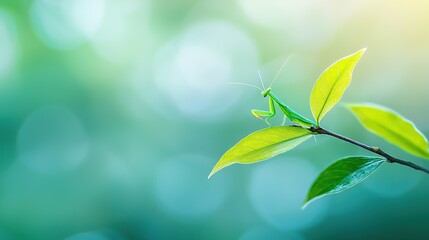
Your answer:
<point x="113" y="112"/>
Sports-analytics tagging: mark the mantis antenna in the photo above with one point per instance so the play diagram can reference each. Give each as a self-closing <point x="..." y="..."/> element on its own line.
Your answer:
<point x="284" y="64"/>
<point x="260" y="78"/>
<point x="245" y="84"/>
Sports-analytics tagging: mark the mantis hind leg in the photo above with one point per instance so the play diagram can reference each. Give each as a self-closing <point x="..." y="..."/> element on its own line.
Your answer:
<point x="284" y="120"/>
<point x="265" y="114"/>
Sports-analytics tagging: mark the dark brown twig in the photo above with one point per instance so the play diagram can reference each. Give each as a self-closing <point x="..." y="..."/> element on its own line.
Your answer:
<point x="375" y="150"/>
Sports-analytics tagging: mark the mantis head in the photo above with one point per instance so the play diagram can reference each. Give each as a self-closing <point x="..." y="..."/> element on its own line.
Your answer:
<point x="266" y="92"/>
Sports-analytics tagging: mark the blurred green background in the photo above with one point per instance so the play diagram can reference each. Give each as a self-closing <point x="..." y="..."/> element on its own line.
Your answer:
<point x="113" y="112"/>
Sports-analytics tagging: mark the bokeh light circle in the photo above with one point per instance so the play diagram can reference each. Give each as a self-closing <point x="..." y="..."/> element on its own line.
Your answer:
<point x="386" y="183"/>
<point x="4" y="236"/>
<point x="192" y="70"/>
<point x="68" y="23"/>
<point x="277" y="191"/>
<point x="309" y="23"/>
<point x="122" y="37"/>
<point x="52" y="141"/>
<point x="87" y="236"/>
<point x="273" y="13"/>
<point x="183" y="190"/>
<point x="261" y="233"/>
<point x="8" y="48"/>
<point x="103" y="234"/>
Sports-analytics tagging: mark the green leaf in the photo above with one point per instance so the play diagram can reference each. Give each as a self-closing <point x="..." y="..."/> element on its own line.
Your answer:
<point x="262" y="145"/>
<point x="392" y="127"/>
<point x="331" y="85"/>
<point x="343" y="174"/>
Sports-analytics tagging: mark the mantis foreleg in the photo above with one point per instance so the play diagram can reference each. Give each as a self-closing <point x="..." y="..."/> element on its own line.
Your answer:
<point x="265" y="114"/>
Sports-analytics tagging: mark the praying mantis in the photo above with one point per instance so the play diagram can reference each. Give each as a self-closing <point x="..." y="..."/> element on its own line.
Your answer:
<point x="273" y="100"/>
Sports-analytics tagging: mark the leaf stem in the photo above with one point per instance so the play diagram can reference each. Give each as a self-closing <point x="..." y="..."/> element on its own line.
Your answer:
<point x="376" y="150"/>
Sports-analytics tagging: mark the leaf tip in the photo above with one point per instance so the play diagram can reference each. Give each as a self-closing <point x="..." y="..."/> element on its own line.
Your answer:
<point x="309" y="200"/>
<point x="348" y="105"/>
<point x="305" y="204"/>
<point x="361" y="52"/>
<point x="219" y="166"/>
<point x="211" y="174"/>
<point x="214" y="170"/>
<point x="357" y="55"/>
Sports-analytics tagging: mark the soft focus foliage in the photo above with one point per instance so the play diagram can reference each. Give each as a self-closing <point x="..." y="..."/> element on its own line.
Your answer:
<point x="392" y="127"/>
<point x="331" y="85"/>
<point x="262" y="145"/>
<point x="113" y="112"/>
<point x="341" y="175"/>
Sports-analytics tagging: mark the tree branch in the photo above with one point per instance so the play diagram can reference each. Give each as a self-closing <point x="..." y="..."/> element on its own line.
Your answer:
<point x="375" y="150"/>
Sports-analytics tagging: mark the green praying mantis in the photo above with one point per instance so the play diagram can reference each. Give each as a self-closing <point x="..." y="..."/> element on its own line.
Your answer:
<point x="273" y="100"/>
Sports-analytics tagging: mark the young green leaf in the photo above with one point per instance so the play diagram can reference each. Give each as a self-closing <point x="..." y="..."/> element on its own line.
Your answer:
<point x="392" y="127"/>
<point x="341" y="175"/>
<point x="331" y="85"/>
<point x="262" y="145"/>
